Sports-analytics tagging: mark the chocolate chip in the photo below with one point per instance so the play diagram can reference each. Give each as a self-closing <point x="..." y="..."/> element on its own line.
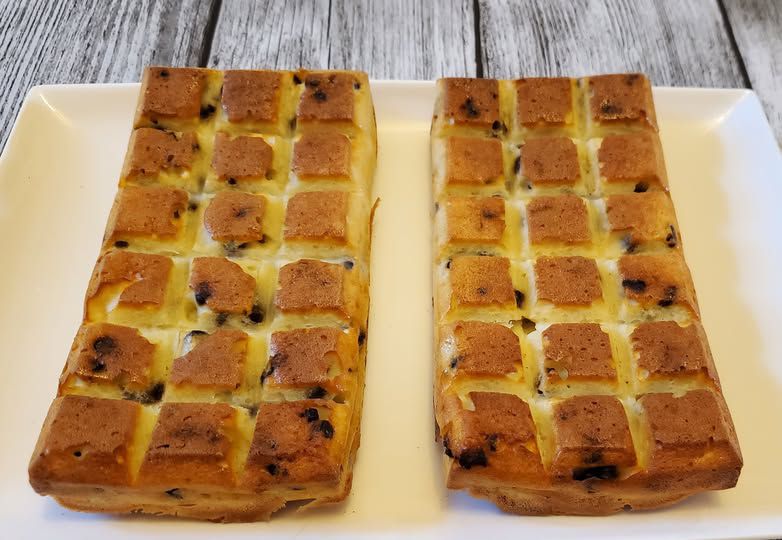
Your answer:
<point x="269" y="370"/>
<point x="313" y="82"/>
<point x="174" y="493"/>
<point x="316" y="393"/>
<point x="488" y="214"/>
<point x="263" y="239"/>
<point x="192" y="206"/>
<point x="528" y="325"/>
<point x="473" y="457"/>
<point x="121" y="244"/>
<point x="296" y="79"/>
<point x="671" y="239"/>
<point x="176" y="214"/>
<point x="104" y="345"/>
<point x="98" y="365"/>
<point x="517" y="165"/>
<point x="641" y="187"/>
<point x="196" y="147"/>
<point x="272" y="469"/>
<point x="326" y="428"/>
<point x="357" y="85"/>
<point x="669" y="298"/>
<point x="362" y="337"/>
<point x="207" y="111"/>
<point x="154" y="394"/>
<point x="292" y="123"/>
<point x="448" y="264"/>
<point x="252" y="410"/>
<point x="193" y="333"/>
<point x="320" y="95"/>
<point x="629" y="244"/>
<point x="519" y="298"/>
<point x="241" y="212"/>
<point x="77" y="453"/>
<point x="163" y="73"/>
<point x="491" y="440"/>
<point x="455" y="360"/>
<point x="606" y="107"/>
<point x="311" y="414"/>
<point x="603" y="472"/>
<point x="496" y="125"/>
<point x="221" y="319"/>
<point x="447" y="447"/>
<point x="256" y="314"/>
<point x="482" y="291"/>
<point x="202" y="293"/>
<point x="592" y="458"/>
<point x="635" y="285"/>
<point x="232" y="181"/>
<point x="631" y="78"/>
<point x="470" y="109"/>
<point x="243" y="245"/>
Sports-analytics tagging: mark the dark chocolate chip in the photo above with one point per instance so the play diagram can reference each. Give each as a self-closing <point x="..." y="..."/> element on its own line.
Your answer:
<point x="470" y="109"/>
<point x="362" y="337"/>
<point x="243" y="245"/>
<point x="207" y="111"/>
<point x="104" y="345"/>
<point x="296" y="79"/>
<point x="311" y="414"/>
<point x="121" y="244"/>
<point x="192" y="333"/>
<point x="196" y="147"/>
<point x="176" y="214"/>
<point x="517" y="165"/>
<point x="496" y="125"/>
<point x="163" y="73"/>
<point x="269" y="370"/>
<point x="192" y="206"/>
<point x="174" y="493"/>
<point x="482" y="291"/>
<point x="98" y="365"/>
<point x="488" y="214"/>
<point x="312" y="82"/>
<point x="292" y="123"/>
<point x="491" y="440"/>
<point x="272" y="469"/>
<point x="320" y="95"/>
<point x="316" y="393"/>
<point x="528" y="325"/>
<point x="155" y="394"/>
<point x="606" y="107"/>
<point x="263" y="239"/>
<point x="629" y="244"/>
<point x="592" y="458"/>
<point x="447" y="447"/>
<point x="232" y="181"/>
<point x="641" y="187"/>
<point x="256" y="315"/>
<point x="519" y="298"/>
<point x="631" y="78"/>
<point x="326" y="428"/>
<point x="77" y="453"/>
<point x="671" y="239"/>
<point x="202" y="293"/>
<point x="252" y="410"/>
<point x="357" y="85"/>
<point x="603" y="472"/>
<point x="669" y="298"/>
<point x="348" y="264"/>
<point x="240" y="213"/>
<point x="221" y="319"/>
<point x="448" y="264"/>
<point x="473" y="457"/>
<point x="455" y="360"/>
<point x="635" y="285"/>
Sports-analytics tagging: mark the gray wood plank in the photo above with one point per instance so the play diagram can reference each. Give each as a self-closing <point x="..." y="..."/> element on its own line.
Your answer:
<point x="757" y="27"/>
<point x="676" y="42"/>
<point x="56" y="41"/>
<point x="395" y="39"/>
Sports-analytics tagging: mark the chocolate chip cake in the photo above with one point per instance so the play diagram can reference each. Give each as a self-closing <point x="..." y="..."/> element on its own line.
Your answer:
<point x="219" y="370"/>
<point x="572" y="373"/>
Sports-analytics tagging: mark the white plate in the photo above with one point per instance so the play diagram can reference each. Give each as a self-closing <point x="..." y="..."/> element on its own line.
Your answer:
<point x="57" y="179"/>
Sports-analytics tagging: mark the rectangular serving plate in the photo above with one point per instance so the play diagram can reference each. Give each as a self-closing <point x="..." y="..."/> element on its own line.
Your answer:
<point x="58" y="175"/>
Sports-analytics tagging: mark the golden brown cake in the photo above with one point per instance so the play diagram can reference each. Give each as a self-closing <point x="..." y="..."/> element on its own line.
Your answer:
<point x="572" y="373"/>
<point x="219" y="370"/>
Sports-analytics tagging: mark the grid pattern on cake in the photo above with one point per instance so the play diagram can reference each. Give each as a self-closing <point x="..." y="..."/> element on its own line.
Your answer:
<point x="224" y="335"/>
<point x="562" y="301"/>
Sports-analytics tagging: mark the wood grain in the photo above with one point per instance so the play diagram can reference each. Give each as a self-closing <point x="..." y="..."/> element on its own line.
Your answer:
<point x="676" y="42"/>
<point x="399" y="39"/>
<point x="55" y="41"/>
<point x="757" y="27"/>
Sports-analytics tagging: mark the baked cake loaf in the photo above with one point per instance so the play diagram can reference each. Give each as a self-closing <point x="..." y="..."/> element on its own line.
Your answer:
<point x="572" y="373"/>
<point x="219" y="370"/>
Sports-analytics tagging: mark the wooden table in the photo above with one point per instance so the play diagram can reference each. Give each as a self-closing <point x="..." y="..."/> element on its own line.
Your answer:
<point x="712" y="43"/>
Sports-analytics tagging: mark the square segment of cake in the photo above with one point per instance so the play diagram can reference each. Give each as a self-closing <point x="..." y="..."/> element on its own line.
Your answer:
<point x="560" y="221"/>
<point x="550" y="164"/>
<point x="242" y="158"/>
<point x="162" y="157"/>
<point x="171" y="94"/>
<point x="252" y="98"/>
<point x="224" y="287"/>
<point x="578" y="354"/>
<point x="316" y="361"/>
<point x="667" y="351"/>
<point x="568" y="281"/>
<point x="317" y="216"/>
<point x="545" y="102"/>
<point x="311" y="287"/>
<point x="324" y="155"/>
<point x="692" y="433"/>
<point x="85" y="440"/>
<point x="592" y="439"/>
<point x="639" y="222"/>
<point x="492" y="436"/>
<point x="656" y="284"/>
<point x="191" y="445"/>
<point x="479" y="349"/>
<point x="471" y="103"/>
<point x="482" y="282"/>
<point x="473" y="162"/>
<point x="327" y="98"/>
<point x="211" y="361"/>
<point x="629" y="162"/>
<point x="475" y="220"/>
<point x="297" y="442"/>
<point x="620" y="101"/>
<point x="236" y="217"/>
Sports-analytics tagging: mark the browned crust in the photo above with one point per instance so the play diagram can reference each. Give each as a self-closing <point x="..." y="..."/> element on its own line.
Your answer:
<point x="147" y="276"/>
<point x="153" y="211"/>
<point x="235" y="216"/>
<point x="327" y="97"/>
<point x="470" y="160"/>
<point x="472" y="102"/>
<point x="477" y="280"/>
<point x="317" y="215"/>
<point x="582" y="350"/>
<point x="475" y="219"/>
<point x="544" y="101"/>
<point x="172" y="92"/>
<point x="153" y="151"/>
<point x="666" y="348"/>
<point x="216" y="361"/>
<point x="251" y="95"/>
<point x="222" y="285"/>
<point x="550" y="161"/>
<point x="658" y="280"/>
<point x="482" y="348"/>
<point x="311" y="285"/>
<point x="241" y="157"/>
<point x="568" y="280"/>
<point x="633" y="157"/>
<point x="563" y="218"/>
<point x="644" y="217"/>
<point x="323" y="154"/>
<point x="625" y="98"/>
